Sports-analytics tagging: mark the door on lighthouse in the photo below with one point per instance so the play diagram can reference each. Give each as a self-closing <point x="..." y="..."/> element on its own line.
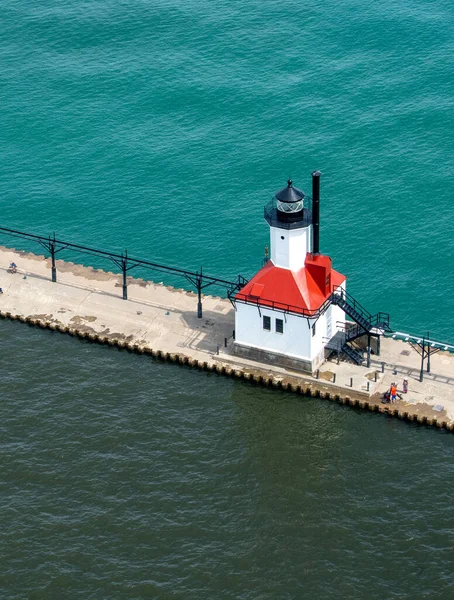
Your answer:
<point x="329" y="324"/>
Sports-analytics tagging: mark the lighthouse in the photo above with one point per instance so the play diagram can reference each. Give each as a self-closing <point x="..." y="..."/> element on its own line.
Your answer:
<point x="290" y="311"/>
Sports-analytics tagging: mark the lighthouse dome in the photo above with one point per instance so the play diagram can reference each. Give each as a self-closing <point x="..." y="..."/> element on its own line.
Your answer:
<point x="289" y="202"/>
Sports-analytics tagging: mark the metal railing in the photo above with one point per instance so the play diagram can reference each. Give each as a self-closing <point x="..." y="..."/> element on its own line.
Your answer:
<point x="198" y="279"/>
<point x="270" y="214"/>
<point x="343" y="295"/>
<point x="283" y="307"/>
<point x="125" y="263"/>
<point x="378" y="321"/>
<point x="424" y="346"/>
<point x="411" y="338"/>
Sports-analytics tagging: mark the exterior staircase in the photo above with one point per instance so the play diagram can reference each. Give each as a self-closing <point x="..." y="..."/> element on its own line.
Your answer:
<point x="353" y="354"/>
<point x="365" y="324"/>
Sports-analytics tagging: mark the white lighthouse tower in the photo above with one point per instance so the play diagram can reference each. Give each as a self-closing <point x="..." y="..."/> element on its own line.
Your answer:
<point x="285" y="314"/>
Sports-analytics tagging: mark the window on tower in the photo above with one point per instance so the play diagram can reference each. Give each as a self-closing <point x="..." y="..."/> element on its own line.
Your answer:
<point x="267" y="323"/>
<point x="279" y="326"/>
<point x="290" y="207"/>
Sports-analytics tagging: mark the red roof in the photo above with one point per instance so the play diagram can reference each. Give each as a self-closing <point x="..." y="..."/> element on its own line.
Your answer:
<point x="302" y="291"/>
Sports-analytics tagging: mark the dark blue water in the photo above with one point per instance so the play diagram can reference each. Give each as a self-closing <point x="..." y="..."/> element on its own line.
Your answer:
<point x="127" y="478"/>
<point x="165" y="128"/>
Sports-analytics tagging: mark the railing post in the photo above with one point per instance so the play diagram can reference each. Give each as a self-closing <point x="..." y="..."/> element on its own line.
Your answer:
<point x="421" y="374"/>
<point x="124" y="269"/>
<point x="368" y="351"/>
<point x="52" y="256"/>
<point x="428" y="353"/>
<point x="199" y="295"/>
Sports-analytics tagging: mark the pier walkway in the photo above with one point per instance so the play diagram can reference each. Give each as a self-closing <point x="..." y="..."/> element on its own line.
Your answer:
<point x="88" y="302"/>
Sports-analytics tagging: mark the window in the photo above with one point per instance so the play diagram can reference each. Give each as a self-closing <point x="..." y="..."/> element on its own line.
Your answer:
<point x="313" y="330"/>
<point x="279" y="326"/>
<point x="267" y="323"/>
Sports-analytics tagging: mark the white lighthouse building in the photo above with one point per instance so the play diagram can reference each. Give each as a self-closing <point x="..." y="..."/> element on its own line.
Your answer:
<point x="285" y="314"/>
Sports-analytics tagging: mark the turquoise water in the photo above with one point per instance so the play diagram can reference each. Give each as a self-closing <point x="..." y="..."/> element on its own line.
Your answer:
<point x="165" y="128"/>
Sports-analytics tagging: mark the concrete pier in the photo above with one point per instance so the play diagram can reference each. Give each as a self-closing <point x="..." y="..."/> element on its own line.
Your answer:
<point x="162" y="321"/>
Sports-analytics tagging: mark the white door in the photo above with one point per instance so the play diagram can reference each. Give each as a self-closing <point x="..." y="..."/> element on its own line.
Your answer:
<point x="329" y="328"/>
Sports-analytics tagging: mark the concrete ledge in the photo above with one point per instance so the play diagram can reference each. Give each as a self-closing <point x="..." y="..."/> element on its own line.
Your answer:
<point x="314" y="389"/>
<point x="273" y="358"/>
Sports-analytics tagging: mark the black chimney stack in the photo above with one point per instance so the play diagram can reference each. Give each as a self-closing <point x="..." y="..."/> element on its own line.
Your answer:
<point x="316" y="212"/>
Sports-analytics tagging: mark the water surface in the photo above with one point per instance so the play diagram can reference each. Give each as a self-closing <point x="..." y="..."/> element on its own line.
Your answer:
<point x="164" y="127"/>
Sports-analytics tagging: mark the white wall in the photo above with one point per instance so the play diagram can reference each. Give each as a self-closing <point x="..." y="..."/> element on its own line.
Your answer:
<point x="290" y="252"/>
<point x="295" y="341"/>
<point x="338" y="315"/>
<point x="318" y="341"/>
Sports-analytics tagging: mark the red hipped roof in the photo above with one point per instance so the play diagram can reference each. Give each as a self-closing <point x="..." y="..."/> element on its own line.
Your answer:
<point x="302" y="291"/>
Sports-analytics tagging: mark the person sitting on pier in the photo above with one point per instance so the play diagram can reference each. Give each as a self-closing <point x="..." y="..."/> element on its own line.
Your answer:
<point x="12" y="267"/>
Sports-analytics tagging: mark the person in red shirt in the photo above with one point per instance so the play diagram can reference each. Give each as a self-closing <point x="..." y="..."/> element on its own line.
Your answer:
<point x="393" y="392"/>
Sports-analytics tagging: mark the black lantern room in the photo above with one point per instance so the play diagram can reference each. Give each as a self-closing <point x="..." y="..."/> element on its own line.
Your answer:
<point x="289" y="209"/>
<point x="289" y="203"/>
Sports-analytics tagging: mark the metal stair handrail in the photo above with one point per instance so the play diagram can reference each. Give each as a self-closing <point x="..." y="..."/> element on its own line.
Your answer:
<point x="352" y="333"/>
<point x="378" y="321"/>
<point x="352" y="353"/>
<point x="343" y="295"/>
